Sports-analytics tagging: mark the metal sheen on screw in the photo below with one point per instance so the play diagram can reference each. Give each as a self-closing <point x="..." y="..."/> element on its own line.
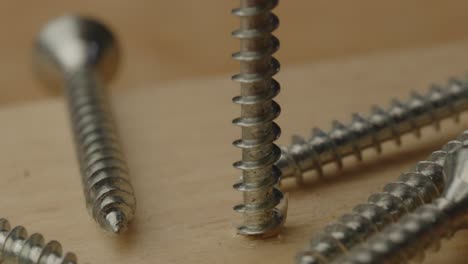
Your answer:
<point x="367" y="132"/>
<point x="422" y="185"/>
<point x="81" y="54"/>
<point x="424" y="228"/>
<point x="16" y="247"/>
<point x="258" y="110"/>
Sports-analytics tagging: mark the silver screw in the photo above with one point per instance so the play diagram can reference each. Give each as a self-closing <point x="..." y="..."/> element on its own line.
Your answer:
<point x="420" y="186"/>
<point x="16" y="247"/>
<point x="424" y="228"/>
<point x="380" y="126"/>
<point x="82" y="53"/>
<point x="258" y="110"/>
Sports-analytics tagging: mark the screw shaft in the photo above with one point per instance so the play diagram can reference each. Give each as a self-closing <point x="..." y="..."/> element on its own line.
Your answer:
<point x="16" y="247"/>
<point x="258" y="110"/>
<point x="380" y="126"/>
<point x="412" y="189"/>
<point x="424" y="228"/>
<point x="407" y="239"/>
<point x="109" y="194"/>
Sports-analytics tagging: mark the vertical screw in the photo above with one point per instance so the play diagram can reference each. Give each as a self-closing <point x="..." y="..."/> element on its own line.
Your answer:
<point x="82" y="53"/>
<point x="16" y="247"/>
<point x="380" y="126"/>
<point x="258" y="110"/>
<point x="412" y="189"/>
<point x="424" y="228"/>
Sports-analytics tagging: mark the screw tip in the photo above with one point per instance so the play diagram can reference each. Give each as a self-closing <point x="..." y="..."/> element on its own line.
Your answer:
<point x="271" y="229"/>
<point x="116" y="222"/>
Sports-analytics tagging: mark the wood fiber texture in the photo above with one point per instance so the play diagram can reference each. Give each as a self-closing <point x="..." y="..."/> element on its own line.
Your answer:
<point x="177" y="137"/>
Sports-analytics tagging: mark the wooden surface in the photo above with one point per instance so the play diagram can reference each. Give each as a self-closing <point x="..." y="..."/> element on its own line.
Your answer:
<point x="177" y="138"/>
<point x="173" y="40"/>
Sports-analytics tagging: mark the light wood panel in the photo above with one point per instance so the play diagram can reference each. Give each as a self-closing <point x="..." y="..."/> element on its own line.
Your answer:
<point x="167" y="40"/>
<point x="177" y="138"/>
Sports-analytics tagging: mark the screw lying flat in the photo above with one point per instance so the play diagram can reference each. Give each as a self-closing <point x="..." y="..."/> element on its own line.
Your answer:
<point x="380" y="126"/>
<point x="16" y="247"/>
<point x="82" y="53"/>
<point x="414" y="188"/>
<point x="258" y="110"/>
<point x="424" y="228"/>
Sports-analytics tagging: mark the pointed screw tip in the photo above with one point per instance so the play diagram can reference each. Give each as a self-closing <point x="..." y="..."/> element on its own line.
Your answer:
<point x="116" y="222"/>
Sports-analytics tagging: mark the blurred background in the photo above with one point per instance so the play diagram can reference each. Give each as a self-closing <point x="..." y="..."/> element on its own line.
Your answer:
<point x="172" y="40"/>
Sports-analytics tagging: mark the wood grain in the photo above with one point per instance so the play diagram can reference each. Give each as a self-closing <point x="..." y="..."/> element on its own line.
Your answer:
<point x="173" y="40"/>
<point x="177" y="138"/>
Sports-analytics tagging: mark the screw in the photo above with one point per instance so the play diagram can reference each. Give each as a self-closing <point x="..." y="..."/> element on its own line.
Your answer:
<point x="82" y="54"/>
<point x="380" y="126"/>
<point x="424" y="228"/>
<point x="420" y="186"/>
<point x="16" y="247"/>
<point x="258" y="110"/>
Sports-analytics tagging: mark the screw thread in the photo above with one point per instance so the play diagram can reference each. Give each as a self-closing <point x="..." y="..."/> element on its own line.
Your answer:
<point x="108" y="191"/>
<point x="258" y="110"/>
<point x="16" y="247"/>
<point x="380" y="126"/>
<point x="408" y="239"/>
<point x="420" y="186"/>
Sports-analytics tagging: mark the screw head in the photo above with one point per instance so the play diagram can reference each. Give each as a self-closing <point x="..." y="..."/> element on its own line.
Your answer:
<point x="72" y="43"/>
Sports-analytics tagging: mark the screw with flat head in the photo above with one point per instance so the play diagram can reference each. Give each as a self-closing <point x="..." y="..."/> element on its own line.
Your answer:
<point x="81" y="55"/>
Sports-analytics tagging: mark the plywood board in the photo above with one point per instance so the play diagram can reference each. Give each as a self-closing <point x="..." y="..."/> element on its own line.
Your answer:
<point x="177" y="137"/>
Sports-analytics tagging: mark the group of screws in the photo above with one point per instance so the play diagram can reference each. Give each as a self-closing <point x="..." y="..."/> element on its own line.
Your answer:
<point x="423" y="229"/>
<point x="419" y="186"/>
<point x="395" y="225"/>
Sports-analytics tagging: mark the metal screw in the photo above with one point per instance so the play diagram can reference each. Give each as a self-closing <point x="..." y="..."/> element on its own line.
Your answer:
<point x="258" y="110"/>
<point x="424" y="228"/>
<point x="82" y="54"/>
<point x="16" y="247"/>
<point x="420" y="186"/>
<point x="380" y="126"/>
